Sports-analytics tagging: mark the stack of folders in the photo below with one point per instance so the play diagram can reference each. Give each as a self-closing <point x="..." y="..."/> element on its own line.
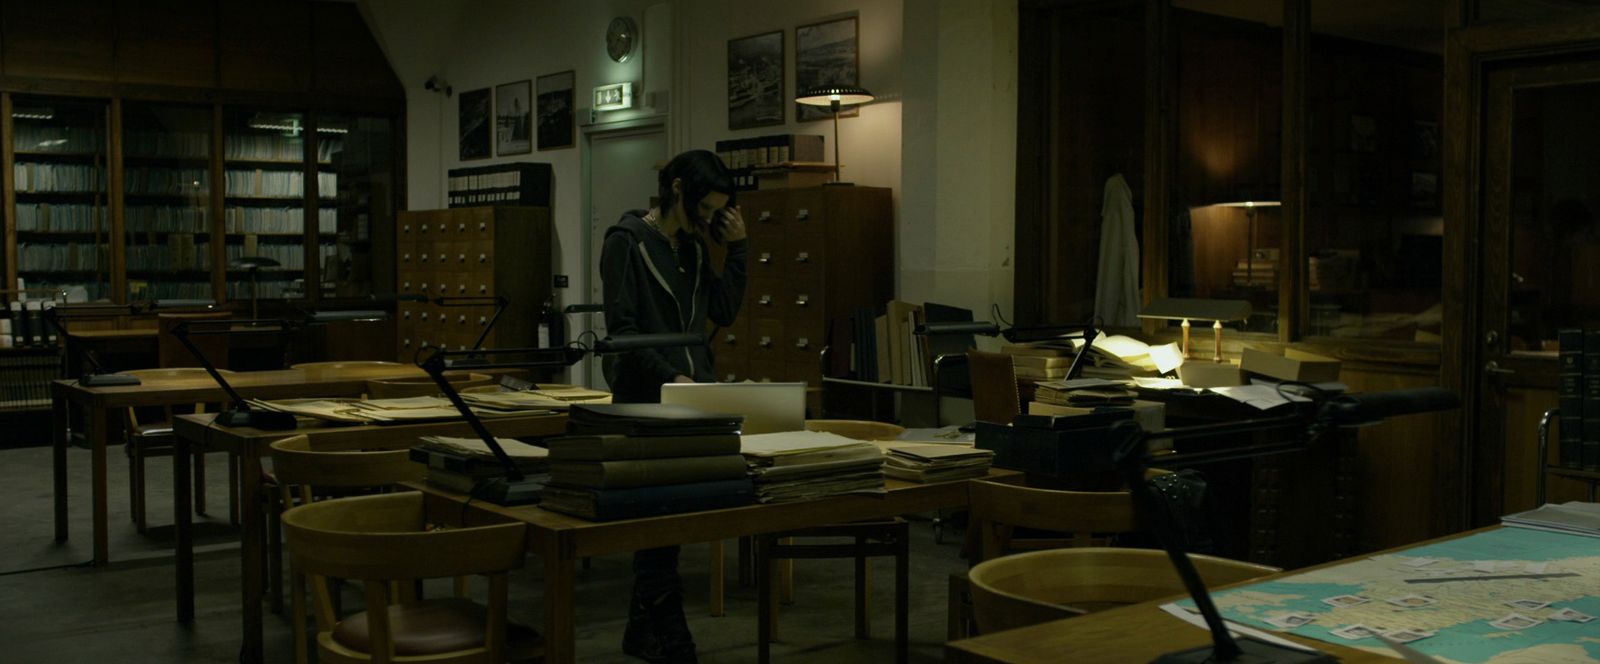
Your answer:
<point x="624" y="461"/>
<point x="922" y="462"/>
<point x="1575" y="517"/>
<point x="802" y="465"/>
<point x="460" y="464"/>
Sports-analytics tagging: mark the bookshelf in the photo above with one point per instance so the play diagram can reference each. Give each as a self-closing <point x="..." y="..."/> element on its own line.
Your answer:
<point x="59" y="181"/>
<point x="166" y="154"/>
<point x="265" y="211"/>
<point x="360" y="208"/>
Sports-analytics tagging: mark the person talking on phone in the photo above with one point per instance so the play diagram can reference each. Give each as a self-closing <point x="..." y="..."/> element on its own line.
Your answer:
<point x="656" y="272"/>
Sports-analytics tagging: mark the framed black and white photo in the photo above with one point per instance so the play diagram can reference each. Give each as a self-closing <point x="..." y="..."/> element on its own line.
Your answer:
<point x="473" y="124"/>
<point x="556" y="128"/>
<point x="513" y="118"/>
<point x="755" y="81"/>
<point x="825" y="53"/>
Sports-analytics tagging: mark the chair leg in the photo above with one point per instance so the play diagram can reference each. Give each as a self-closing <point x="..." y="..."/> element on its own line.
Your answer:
<point x="136" y="480"/>
<point x="902" y="595"/>
<point x="297" y="613"/>
<point x="714" y="593"/>
<point x="766" y="603"/>
<point x="863" y="593"/>
<point x="200" y="481"/>
<point x="275" y="551"/>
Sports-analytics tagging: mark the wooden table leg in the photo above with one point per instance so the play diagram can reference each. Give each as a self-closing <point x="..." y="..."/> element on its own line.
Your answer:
<point x="95" y="424"/>
<point x="183" y="521"/>
<point x="715" y="592"/>
<point x="560" y="632"/>
<point x="250" y="554"/>
<point x="58" y="460"/>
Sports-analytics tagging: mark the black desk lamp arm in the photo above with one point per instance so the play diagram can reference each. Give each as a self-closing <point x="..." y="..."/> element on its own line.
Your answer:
<point x="181" y="333"/>
<point x="434" y="366"/>
<point x="500" y="304"/>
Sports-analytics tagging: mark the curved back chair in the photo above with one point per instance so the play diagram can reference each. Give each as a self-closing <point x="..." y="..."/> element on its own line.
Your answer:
<point x="1030" y="588"/>
<point x="383" y="540"/>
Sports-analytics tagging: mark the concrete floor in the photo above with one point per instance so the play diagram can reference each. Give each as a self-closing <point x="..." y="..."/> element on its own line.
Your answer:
<point x="124" y="612"/>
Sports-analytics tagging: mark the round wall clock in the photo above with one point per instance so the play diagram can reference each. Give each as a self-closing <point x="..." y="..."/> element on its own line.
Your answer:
<point x="621" y="37"/>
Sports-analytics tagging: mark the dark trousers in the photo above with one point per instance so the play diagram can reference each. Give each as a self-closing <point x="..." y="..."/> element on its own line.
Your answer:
<point x="655" y="614"/>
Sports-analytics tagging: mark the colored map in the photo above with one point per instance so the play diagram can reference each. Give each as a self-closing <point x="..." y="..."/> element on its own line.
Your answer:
<point x="1462" y="591"/>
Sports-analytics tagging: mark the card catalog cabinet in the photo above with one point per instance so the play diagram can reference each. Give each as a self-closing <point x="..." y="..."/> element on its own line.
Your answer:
<point x="816" y="254"/>
<point x="471" y="252"/>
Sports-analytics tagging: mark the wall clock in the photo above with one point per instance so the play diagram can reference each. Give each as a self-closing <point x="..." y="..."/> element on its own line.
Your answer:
<point x="621" y="38"/>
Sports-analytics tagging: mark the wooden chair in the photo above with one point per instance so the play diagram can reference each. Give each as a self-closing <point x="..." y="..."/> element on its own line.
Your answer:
<point x="386" y="541"/>
<point x="867" y="538"/>
<point x="149" y="434"/>
<point x="1030" y="588"/>
<point x="300" y="473"/>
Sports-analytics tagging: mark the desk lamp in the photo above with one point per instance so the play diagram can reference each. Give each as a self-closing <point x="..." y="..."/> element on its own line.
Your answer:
<point x="1308" y="422"/>
<point x="95" y="375"/>
<point x="254" y="265"/>
<point x="834" y="97"/>
<point x="1250" y="207"/>
<point x="1086" y="332"/>
<point x="1183" y="309"/>
<point x="516" y="488"/>
<point x="240" y="415"/>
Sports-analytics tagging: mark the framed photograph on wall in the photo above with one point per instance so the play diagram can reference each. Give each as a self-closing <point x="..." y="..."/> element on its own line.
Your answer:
<point x="513" y="118"/>
<point x="472" y="121"/>
<point x="755" y="81"/>
<point x="556" y="128"/>
<point x="825" y="53"/>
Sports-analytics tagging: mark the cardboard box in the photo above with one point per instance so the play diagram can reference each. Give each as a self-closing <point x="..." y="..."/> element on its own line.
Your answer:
<point x="1205" y="373"/>
<point x="1291" y="365"/>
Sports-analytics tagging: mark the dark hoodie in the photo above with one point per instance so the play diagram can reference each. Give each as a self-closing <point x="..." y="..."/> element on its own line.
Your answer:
<point x="647" y="293"/>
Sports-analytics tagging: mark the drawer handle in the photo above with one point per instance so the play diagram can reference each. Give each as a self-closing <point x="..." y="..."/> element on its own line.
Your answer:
<point x="422" y="287"/>
<point x="731" y="379"/>
<point x="482" y="226"/>
<point x="422" y="257"/>
<point x="803" y="214"/>
<point x="405" y="342"/>
<point x="764" y="300"/>
<point x="801" y="300"/>
<point x="483" y="258"/>
<point x="461" y="258"/>
<point x="482" y="289"/>
<point x="766" y="215"/>
<point x="766" y="342"/>
<point x="483" y="320"/>
<point x="731" y="339"/>
<point x="425" y="344"/>
<point x="405" y="258"/>
<point x="461" y="227"/>
<point x="405" y="315"/>
<point x="424" y="316"/>
<point x="423" y="228"/>
<point x="802" y="343"/>
<point x="461" y="319"/>
<point x="405" y="229"/>
<point x="802" y="257"/>
<point x="405" y="286"/>
<point x="461" y="289"/>
<point x="766" y="257"/>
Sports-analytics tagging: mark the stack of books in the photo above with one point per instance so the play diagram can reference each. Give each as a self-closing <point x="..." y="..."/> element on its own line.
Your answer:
<point x="1256" y="273"/>
<point x="923" y="462"/>
<point x="624" y="461"/>
<point x="802" y="465"/>
<point x="461" y="464"/>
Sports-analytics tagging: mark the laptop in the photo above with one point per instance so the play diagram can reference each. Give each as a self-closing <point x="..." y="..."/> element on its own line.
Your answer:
<point x="766" y="407"/>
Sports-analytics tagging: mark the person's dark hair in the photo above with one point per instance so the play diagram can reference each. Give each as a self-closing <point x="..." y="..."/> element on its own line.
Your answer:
<point x="702" y="173"/>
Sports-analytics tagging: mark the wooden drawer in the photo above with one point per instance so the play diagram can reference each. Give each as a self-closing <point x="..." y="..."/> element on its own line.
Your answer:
<point x="803" y="339"/>
<point x="806" y="217"/>
<point x="803" y="300"/>
<point x="764" y="213"/>
<point x="764" y="298"/>
<point x="765" y="371"/>
<point x="803" y="257"/>
<point x="731" y="365"/>
<point x="766" y="340"/>
<point x="766" y="256"/>
<point x="735" y="337"/>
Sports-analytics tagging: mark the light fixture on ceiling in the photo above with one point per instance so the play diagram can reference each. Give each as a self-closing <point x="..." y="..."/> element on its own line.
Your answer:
<point x="36" y="113"/>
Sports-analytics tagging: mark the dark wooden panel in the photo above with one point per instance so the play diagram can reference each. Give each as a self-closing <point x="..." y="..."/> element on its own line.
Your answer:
<point x="167" y="42"/>
<point x="70" y="39"/>
<point x="265" y="46"/>
<point x="346" y="59"/>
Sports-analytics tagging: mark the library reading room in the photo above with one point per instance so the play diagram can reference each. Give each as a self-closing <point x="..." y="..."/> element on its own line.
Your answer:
<point x="800" y="331"/>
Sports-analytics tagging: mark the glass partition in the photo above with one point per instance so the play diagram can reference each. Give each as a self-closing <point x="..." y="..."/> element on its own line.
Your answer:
<point x="264" y="217"/>
<point x="63" y="231"/>
<point x="358" y="199"/>
<point x="166" y="157"/>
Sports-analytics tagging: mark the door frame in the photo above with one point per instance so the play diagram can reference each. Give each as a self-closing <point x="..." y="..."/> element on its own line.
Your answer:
<point x="582" y="372"/>
<point x="1470" y="54"/>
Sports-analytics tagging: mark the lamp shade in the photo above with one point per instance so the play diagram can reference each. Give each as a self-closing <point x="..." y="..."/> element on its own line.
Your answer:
<point x="827" y="95"/>
<point x="1249" y="204"/>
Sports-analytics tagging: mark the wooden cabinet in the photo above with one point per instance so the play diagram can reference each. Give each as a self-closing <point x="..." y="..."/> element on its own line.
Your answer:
<point x="816" y="254"/>
<point x="471" y="252"/>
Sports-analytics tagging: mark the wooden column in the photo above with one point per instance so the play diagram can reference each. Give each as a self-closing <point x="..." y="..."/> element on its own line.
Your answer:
<point x="114" y="187"/>
<point x="1293" y="309"/>
<point x="218" y="209"/>
<point x="1159" y="132"/>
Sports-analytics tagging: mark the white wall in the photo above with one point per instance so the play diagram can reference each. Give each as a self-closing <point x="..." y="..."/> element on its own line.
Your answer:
<point x="942" y="133"/>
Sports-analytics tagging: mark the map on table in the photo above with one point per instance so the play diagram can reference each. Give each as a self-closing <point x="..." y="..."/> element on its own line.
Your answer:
<point x="1502" y="596"/>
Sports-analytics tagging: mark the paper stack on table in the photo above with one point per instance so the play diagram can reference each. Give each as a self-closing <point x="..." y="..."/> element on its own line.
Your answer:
<point x="802" y="465"/>
<point x="1575" y="517"/>
<point x="459" y="464"/>
<point x="935" y="463"/>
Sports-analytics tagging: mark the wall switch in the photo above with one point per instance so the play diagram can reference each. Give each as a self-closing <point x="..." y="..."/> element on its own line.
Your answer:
<point x="561" y="281"/>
